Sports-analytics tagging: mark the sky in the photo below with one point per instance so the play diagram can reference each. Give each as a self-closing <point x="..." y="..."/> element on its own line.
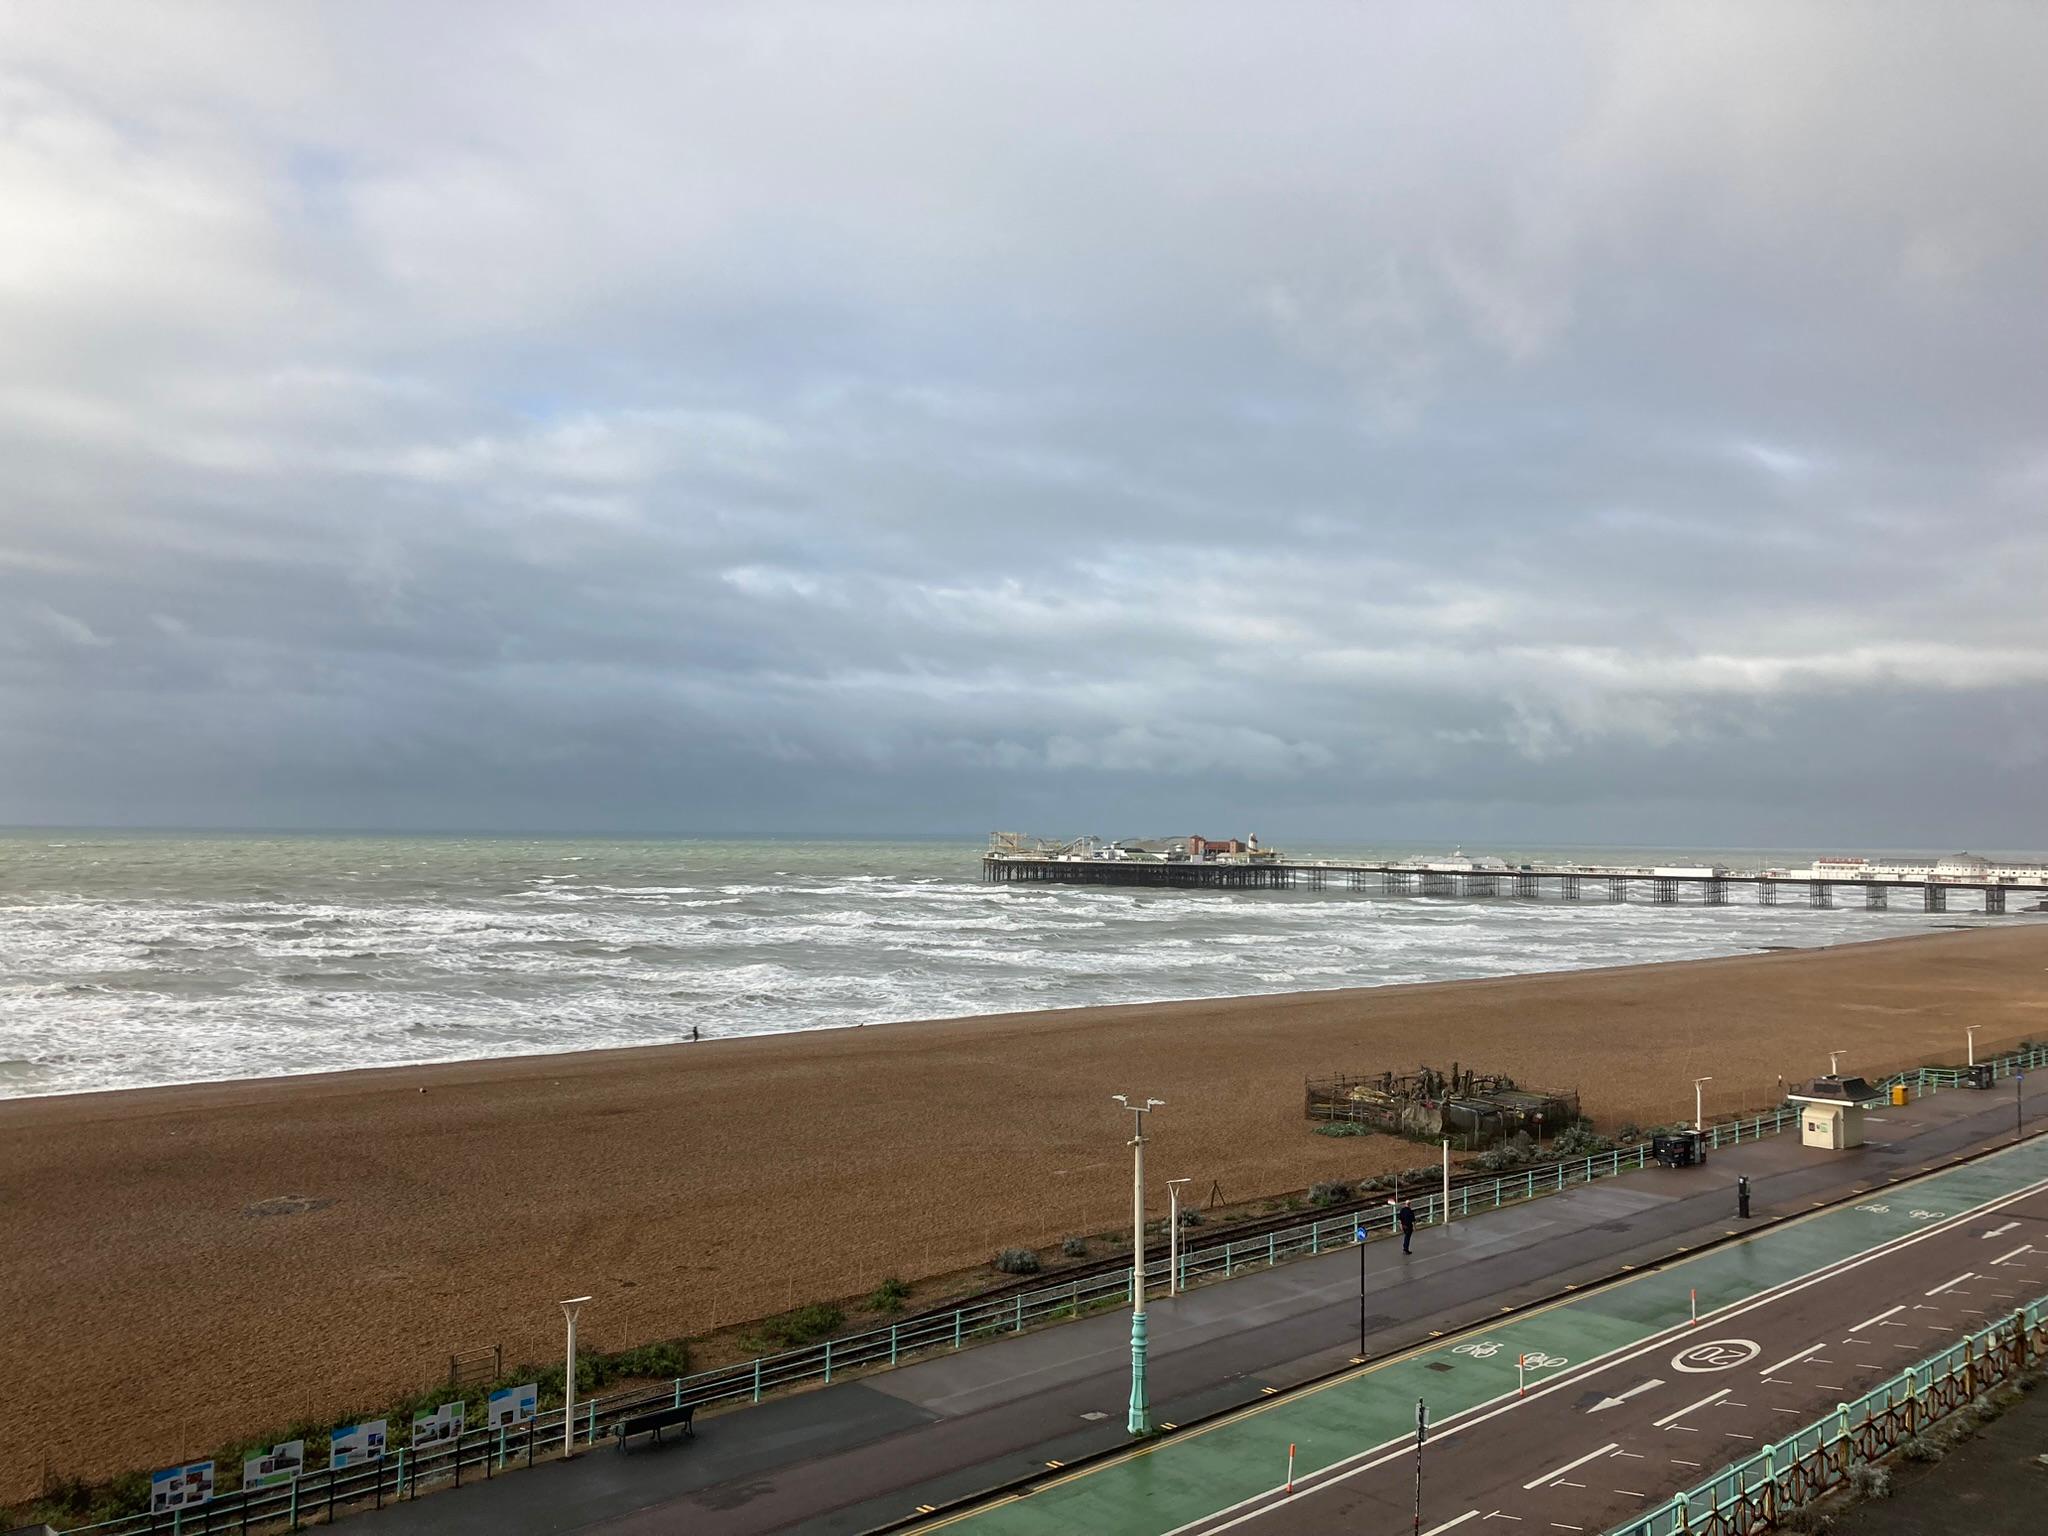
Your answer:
<point x="1352" y="421"/>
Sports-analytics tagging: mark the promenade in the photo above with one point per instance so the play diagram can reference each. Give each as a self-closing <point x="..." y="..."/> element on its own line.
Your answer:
<point x="862" y="1455"/>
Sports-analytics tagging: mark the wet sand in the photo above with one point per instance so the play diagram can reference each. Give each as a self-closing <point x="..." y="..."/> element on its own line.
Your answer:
<point x="184" y="1265"/>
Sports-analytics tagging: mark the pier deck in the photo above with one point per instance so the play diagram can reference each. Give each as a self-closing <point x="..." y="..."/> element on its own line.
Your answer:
<point x="1532" y="884"/>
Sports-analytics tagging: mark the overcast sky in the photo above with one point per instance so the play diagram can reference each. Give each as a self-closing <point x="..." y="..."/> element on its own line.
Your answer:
<point x="1363" y="421"/>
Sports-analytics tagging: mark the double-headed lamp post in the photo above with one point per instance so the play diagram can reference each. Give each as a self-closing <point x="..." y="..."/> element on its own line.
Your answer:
<point x="1699" y="1115"/>
<point x="569" y="1310"/>
<point x="1173" y="1235"/>
<point x="1141" y="1409"/>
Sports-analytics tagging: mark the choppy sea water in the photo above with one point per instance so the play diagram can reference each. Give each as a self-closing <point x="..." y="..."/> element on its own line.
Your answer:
<point x="132" y="960"/>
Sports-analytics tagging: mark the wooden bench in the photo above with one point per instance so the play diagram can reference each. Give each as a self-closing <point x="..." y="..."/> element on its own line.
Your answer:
<point x="655" y="1420"/>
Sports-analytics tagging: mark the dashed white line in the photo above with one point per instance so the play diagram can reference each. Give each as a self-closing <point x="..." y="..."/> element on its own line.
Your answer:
<point x="1772" y="1370"/>
<point x="1556" y="1472"/>
<point x="2008" y="1257"/>
<point x="1968" y="1274"/>
<point x="1673" y="1418"/>
<point x="1469" y="1514"/>
<point x="1887" y="1312"/>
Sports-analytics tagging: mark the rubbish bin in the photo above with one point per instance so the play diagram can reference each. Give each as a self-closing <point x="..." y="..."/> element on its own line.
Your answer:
<point x="1898" y="1094"/>
<point x="1980" y="1075"/>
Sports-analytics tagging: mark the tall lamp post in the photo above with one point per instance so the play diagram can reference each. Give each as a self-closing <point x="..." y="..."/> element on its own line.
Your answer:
<point x="1699" y="1116"/>
<point x="1970" y="1037"/>
<point x="569" y="1310"/>
<point x="1141" y="1408"/>
<point x="1173" y="1235"/>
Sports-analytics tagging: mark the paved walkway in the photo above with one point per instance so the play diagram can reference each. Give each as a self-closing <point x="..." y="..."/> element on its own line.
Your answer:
<point x="841" y="1460"/>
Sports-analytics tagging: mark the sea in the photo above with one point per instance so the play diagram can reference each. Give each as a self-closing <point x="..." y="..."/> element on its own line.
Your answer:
<point x="129" y="960"/>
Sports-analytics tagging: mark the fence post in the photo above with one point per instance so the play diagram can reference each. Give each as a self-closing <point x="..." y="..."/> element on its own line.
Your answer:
<point x="828" y="1362"/>
<point x="590" y="1425"/>
<point x="1272" y="1250"/>
<point x="757" y="1367"/>
<point x="892" y="1343"/>
<point x="1020" y="1313"/>
<point x="956" y="1331"/>
<point x="330" y="1478"/>
<point x="1496" y="1192"/>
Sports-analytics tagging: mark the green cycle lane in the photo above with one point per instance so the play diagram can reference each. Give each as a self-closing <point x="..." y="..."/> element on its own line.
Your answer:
<point x="1163" y="1486"/>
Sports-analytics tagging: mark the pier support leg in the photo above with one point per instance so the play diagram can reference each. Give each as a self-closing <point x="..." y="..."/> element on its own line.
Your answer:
<point x="1716" y="893"/>
<point x="1571" y="887"/>
<point x="1664" y="892"/>
<point x="1617" y="890"/>
<point x="1935" y="897"/>
<point x="1875" y="897"/>
<point x="1767" y="893"/>
<point x="1820" y="893"/>
<point x="1994" y="899"/>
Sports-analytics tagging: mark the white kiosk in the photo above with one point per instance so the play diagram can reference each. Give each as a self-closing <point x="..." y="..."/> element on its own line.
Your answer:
<point x="1831" y="1112"/>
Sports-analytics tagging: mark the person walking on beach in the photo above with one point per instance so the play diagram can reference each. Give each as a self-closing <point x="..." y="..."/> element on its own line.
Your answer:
<point x="1404" y="1215"/>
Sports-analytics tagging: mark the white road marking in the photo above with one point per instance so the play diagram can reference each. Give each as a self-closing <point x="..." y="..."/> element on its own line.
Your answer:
<point x="1432" y="1531"/>
<point x="1631" y="1455"/>
<point x="2007" y="1257"/>
<point x="1792" y="1360"/>
<point x="1561" y="1526"/>
<point x="1621" y="1397"/>
<point x="1672" y="1418"/>
<point x="1968" y="1274"/>
<point x="1879" y="1318"/>
<point x="1632" y="1493"/>
<point x="1495" y="1514"/>
<point x="1572" y="1465"/>
<point x="1677" y="1461"/>
<point x="1995" y="1231"/>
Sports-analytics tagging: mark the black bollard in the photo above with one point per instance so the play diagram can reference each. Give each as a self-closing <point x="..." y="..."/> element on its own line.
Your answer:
<point x="1742" y="1197"/>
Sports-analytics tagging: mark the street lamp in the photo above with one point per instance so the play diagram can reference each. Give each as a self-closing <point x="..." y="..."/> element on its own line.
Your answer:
<point x="1140" y="1422"/>
<point x="1835" y="1063"/>
<point x="1970" y="1034"/>
<point x="1173" y="1235"/>
<point x="1699" y="1119"/>
<point x="569" y="1310"/>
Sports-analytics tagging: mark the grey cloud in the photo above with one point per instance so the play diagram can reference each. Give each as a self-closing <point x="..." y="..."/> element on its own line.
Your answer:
<point x="1419" y="420"/>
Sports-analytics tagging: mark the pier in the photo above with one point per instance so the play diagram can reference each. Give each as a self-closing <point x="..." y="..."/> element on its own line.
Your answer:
<point x="1657" y="887"/>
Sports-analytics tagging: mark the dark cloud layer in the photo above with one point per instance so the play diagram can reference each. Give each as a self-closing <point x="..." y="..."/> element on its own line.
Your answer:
<point x="1619" y="422"/>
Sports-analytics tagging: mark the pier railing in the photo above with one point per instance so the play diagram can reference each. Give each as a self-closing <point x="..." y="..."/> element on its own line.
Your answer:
<point x="1761" y="1491"/>
<point x="484" y="1452"/>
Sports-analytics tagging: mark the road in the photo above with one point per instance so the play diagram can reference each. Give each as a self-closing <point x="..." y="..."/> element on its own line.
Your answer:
<point x="1629" y="1401"/>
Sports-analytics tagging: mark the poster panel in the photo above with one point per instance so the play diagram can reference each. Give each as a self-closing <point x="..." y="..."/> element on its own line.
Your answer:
<point x="356" y="1444"/>
<point x="276" y="1466"/>
<point x="514" y="1405"/>
<point x="438" y="1426"/>
<point x="180" y="1487"/>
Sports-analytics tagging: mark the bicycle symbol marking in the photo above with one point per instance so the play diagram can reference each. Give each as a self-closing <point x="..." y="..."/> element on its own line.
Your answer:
<point x="1882" y="1210"/>
<point x="1716" y="1355"/>
<point x="1484" y="1349"/>
<point x="1919" y="1215"/>
<point x="1542" y="1362"/>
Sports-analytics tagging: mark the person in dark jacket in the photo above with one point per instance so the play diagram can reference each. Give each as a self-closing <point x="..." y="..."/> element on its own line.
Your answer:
<point x="1404" y="1215"/>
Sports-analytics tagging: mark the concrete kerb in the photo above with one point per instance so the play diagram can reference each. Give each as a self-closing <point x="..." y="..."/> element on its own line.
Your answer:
<point x="1434" y="1340"/>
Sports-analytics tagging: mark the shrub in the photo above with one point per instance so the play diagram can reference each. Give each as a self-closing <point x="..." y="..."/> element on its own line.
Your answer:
<point x="1920" y="1448"/>
<point x="1343" y="1128"/>
<point x="1870" y="1482"/>
<point x="1329" y="1192"/>
<point x="1511" y="1153"/>
<point x="1017" y="1261"/>
<point x="1191" y="1218"/>
<point x="1580" y="1140"/>
<point x="889" y="1296"/>
<point x="806" y="1325"/>
<point x="1628" y="1130"/>
<point x="1075" y="1247"/>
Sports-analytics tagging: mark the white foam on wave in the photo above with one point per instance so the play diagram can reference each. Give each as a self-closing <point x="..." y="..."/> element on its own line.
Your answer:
<point x="129" y="988"/>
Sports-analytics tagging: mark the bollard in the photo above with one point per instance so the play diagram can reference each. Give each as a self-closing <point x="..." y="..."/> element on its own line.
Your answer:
<point x="1290" y="1469"/>
<point x="1742" y="1197"/>
<point x="1695" y="1306"/>
<point x="1521" y="1375"/>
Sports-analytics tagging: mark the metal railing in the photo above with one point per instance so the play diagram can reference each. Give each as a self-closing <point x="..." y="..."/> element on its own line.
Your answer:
<point x="1754" y="1494"/>
<point x="402" y="1473"/>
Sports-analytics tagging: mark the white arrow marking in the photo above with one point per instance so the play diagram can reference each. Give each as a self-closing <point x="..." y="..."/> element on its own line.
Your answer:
<point x="1617" y="1401"/>
<point x="1996" y="1230"/>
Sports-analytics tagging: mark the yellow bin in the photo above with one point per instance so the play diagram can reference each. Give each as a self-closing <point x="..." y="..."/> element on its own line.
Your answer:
<point x="1898" y="1093"/>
